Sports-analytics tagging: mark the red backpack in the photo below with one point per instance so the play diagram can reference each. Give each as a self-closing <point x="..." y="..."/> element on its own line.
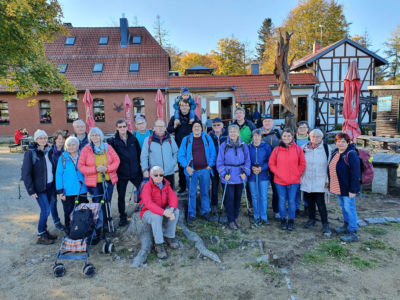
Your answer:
<point x="367" y="169"/>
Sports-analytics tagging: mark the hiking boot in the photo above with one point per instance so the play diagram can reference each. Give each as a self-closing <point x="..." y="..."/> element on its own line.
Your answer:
<point x="60" y="226"/>
<point x="209" y="218"/>
<point x="160" y="251"/>
<point x="352" y="236"/>
<point x="342" y="229"/>
<point x="283" y="224"/>
<point x="233" y="226"/>
<point x="172" y="243"/>
<point x="326" y="230"/>
<point x="190" y="221"/>
<point x="44" y="240"/>
<point x="277" y="216"/>
<point x="237" y="223"/>
<point x="123" y="222"/>
<point x="290" y="225"/>
<point x="309" y="224"/>
<point x="50" y="236"/>
<point x="265" y="222"/>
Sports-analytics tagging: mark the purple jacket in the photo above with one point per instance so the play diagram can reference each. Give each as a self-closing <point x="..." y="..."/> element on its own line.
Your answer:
<point x="234" y="160"/>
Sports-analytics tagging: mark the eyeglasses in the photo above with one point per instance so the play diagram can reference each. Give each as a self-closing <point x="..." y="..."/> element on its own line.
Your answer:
<point x="184" y="105"/>
<point x="121" y="126"/>
<point x="158" y="175"/>
<point x="216" y="125"/>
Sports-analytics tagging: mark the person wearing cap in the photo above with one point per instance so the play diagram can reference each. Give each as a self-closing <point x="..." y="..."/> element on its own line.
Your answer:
<point x="185" y="95"/>
<point x="142" y="132"/>
<point x="197" y="155"/>
<point x="219" y="135"/>
<point x="38" y="178"/>
<point x="271" y="136"/>
<point x="180" y="131"/>
<point x="246" y="127"/>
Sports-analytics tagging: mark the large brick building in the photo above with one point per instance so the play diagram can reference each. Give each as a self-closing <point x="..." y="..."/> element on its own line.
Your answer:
<point x="114" y="61"/>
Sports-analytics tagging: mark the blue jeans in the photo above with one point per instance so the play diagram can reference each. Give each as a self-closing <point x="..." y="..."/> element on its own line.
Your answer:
<point x="349" y="211"/>
<point x="45" y="201"/>
<point x="203" y="177"/>
<point x="287" y="192"/>
<point x="259" y="196"/>
<point x="53" y="209"/>
<point x="298" y="200"/>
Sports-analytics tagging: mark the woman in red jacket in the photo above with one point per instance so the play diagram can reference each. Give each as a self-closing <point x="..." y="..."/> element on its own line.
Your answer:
<point x="287" y="163"/>
<point x="98" y="160"/>
<point x="159" y="201"/>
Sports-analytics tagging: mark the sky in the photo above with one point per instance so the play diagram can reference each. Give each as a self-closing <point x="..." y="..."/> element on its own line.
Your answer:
<point x="196" y="26"/>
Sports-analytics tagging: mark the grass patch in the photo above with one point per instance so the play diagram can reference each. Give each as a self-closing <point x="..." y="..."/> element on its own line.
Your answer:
<point x="165" y="264"/>
<point x="265" y="268"/>
<point x="360" y="263"/>
<point x="334" y="249"/>
<point x="123" y="252"/>
<point x="375" y="244"/>
<point x="192" y="257"/>
<point x="152" y="256"/>
<point x="207" y="229"/>
<point x="375" y="230"/>
<point x="215" y="248"/>
<point x="314" y="257"/>
<point x="232" y="244"/>
<point x="393" y="225"/>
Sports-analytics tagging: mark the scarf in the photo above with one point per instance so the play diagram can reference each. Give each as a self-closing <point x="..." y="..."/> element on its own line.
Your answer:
<point x="304" y="137"/>
<point x="311" y="147"/>
<point x="99" y="150"/>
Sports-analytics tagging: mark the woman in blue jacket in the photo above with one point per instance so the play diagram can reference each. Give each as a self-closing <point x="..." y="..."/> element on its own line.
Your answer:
<point x="69" y="180"/>
<point x="259" y="177"/>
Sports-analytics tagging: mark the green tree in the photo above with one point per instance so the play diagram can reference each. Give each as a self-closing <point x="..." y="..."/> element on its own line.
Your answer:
<point x="364" y="40"/>
<point x="230" y="57"/>
<point x="25" y="25"/>
<point x="264" y="34"/>
<point x="393" y="56"/>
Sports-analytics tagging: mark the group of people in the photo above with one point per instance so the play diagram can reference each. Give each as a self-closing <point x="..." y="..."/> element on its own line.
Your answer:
<point x="241" y="158"/>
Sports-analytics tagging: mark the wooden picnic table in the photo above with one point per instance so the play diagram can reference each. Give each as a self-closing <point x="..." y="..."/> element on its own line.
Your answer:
<point x="385" y="141"/>
<point x="25" y="142"/>
<point x="385" y="171"/>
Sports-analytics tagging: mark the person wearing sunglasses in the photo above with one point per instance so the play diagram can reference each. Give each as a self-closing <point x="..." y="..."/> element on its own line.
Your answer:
<point x="159" y="202"/>
<point x="128" y="150"/>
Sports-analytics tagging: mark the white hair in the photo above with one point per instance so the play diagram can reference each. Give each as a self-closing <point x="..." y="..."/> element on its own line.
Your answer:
<point x="154" y="169"/>
<point x="70" y="141"/>
<point x="317" y="132"/>
<point x="96" y="130"/>
<point x="233" y="127"/>
<point x="76" y="122"/>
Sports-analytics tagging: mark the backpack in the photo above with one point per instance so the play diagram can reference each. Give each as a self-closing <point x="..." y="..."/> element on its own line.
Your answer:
<point x="81" y="224"/>
<point x="366" y="167"/>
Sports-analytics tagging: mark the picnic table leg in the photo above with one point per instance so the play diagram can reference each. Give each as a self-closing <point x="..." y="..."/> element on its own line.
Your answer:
<point x="381" y="181"/>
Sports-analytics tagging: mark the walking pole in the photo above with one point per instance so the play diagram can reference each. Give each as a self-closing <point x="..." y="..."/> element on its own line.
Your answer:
<point x="107" y="205"/>
<point x="247" y="200"/>
<point x="189" y="189"/>
<point x="223" y="196"/>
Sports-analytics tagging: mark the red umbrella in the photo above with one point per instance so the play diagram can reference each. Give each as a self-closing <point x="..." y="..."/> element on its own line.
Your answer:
<point x="197" y="100"/>
<point x="351" y="91"/>
<point x="88" y="100"/>
<point x="128" y="111"/>
<point x="160" y="101"/>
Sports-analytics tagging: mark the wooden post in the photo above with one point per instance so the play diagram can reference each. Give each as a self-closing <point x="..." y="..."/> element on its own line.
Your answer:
<point x="281" y="71"/>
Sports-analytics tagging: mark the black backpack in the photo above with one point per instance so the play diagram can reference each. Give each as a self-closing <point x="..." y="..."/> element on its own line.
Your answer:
<point x="81" y="224"/>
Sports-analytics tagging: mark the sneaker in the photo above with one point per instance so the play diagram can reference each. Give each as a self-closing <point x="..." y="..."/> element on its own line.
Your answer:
<point x="209" y="218"/>
<point x="60" y="226"/>
<point x="290" y="225"/>
<point x="277" y="216"/>
<point x="160" y="251"/>
<point x="283" y="224"/>
<point x="123" y="222"/>
<point x="238" y="225"/>
<point x="172" y="243"/>
<point x="265" y="222"/>
<point x="44" y="240"/>
<point x="50" y="236"/>
<point x="233" y="226"/>
<point x="350" y="237"/>
<point x="309" y="224"/>
<point x="190" y="221"/>
<point x="326" y="230"/>
<point x="342" y="229"/>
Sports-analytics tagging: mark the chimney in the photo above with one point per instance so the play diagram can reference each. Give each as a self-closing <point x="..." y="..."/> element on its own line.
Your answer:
<point x="316" y="47"/>
<point x="124" y="29"/>
<point x="255" y="69"/>
<point x="68" y="25"/>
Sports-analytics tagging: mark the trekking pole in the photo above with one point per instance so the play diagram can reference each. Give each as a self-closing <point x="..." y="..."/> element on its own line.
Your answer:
<point x="247" y="200"/>
<point x="107" y="205"/>
<point x="189" y="189"/>
<point x="223" y="196"/>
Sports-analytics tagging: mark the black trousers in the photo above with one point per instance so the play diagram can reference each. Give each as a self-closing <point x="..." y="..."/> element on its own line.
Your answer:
<point x="121" y="189"/>
<point x="68" y="206"/>
<point x="214" y="187"/>
<point x="275" y="199"/>
<point x="232" y="200"/>
<point x="171" y="179"/>
<point x="182" y="178"/>
<point x="319" y="199"/>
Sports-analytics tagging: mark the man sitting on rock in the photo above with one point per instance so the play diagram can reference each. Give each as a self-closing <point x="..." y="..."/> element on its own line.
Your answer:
<point x="159" y="201"/>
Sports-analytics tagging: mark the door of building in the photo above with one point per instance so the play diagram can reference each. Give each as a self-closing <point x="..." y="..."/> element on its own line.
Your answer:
<point x="302" y="109"/>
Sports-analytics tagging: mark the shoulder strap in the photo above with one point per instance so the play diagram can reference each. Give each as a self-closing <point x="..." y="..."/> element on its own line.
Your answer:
<point x="34" y="157"/>
<point x="63" y="161"/>
<point x="326" y="151"/>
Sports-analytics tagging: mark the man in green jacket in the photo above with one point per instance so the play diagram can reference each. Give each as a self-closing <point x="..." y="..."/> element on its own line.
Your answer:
<point x="246" y="126"/>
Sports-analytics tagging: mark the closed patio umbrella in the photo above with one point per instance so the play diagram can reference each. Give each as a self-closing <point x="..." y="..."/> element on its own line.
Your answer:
<point x="351" y="91"/>
<point x="160" y="102"/>
<point x="88" y="100"/>
<point x="128" y="112"/>
<point x="198" y="108"/>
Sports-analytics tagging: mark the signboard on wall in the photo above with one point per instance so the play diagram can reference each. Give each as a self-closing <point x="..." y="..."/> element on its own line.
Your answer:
<point x="385" y="103"/>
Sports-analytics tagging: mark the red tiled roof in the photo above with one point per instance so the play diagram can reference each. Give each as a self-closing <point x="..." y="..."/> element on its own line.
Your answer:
<point x="86" y="51"/>
<point x="246" y="87"/>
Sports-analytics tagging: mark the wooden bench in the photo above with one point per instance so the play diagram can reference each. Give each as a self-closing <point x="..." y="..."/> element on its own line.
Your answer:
<point x="385" y="169"/>
<point x="15" y="148"/>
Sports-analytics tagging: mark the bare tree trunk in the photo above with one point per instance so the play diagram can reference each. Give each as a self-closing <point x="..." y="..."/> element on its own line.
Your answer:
<point x="281" y="71"/>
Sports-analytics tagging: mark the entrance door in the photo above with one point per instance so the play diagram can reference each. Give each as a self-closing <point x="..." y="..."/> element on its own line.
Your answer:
<point x="302" y="109"/>
<point x="226" y="110"/>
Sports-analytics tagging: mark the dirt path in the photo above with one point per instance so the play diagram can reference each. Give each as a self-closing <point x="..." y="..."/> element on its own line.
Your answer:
<point x="317" y="268"/>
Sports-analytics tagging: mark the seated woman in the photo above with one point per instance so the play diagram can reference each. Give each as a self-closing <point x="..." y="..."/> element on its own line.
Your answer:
<point x="159" y="201"/>
<point x="99" y="160"/>
<point x="69" y="180"/>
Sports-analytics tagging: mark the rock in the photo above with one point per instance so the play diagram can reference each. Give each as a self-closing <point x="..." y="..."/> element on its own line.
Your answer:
<point x="262" y="258"/>
<point x="390" y="219"/>
<point x="361" y="223"/>
<point x="34" y="260"/>
<point x="223" y="268"/>
<point x="284" y="271"/>
<point x="397" y="220"/>
<point x="118" y="257"/>
<point x="250" y="267"/>
<point x="368" y="249"/>
<point x="375" y="220"/>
